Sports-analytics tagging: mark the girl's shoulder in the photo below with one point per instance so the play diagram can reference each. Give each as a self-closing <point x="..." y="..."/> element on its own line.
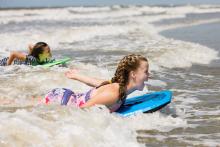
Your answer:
<point x="114" y="85"/>
<point x="112" y="88"/>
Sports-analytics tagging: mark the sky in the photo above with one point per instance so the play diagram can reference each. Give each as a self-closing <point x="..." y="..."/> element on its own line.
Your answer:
<point x="61" y="3"/>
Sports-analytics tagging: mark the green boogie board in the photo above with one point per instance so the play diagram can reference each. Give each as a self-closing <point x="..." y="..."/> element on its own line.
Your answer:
<point x="56" y="62"/>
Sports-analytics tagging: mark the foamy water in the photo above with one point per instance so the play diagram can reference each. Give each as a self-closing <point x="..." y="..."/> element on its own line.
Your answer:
<point x="96" y="38"/>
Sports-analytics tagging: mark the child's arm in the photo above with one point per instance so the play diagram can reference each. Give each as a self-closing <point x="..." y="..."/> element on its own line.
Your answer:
<point x="94" y="82"/>
<point x="16" y="55"/>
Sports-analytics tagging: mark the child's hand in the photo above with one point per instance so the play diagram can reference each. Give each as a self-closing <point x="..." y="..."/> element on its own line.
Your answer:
<point x="72" y="74"/>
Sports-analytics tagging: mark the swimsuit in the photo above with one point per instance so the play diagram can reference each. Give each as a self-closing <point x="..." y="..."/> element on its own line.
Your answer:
<point x="29" y="60"/>
<point x="65" y="96"/>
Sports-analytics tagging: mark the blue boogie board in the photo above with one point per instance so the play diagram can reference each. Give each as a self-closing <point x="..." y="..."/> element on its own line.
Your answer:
<point x="146" y="103"/>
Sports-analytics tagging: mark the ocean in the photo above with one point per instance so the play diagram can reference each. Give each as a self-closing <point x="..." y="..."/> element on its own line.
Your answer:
<point x="181" y="43"/>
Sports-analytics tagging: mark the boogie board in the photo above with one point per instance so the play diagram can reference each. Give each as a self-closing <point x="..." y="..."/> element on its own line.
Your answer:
<point x="146" y="103"/>
<point x="56" y="62"/>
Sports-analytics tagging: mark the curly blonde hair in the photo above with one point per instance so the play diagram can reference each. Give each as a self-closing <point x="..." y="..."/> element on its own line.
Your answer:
<point x="126" y="65"/>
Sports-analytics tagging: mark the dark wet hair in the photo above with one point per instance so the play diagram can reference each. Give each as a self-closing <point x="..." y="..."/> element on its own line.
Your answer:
<point x="38" y="49"/>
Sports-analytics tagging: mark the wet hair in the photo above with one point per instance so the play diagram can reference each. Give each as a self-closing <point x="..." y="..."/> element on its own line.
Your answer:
<point x="126" y="65"/>
<point x="38" y="49"/>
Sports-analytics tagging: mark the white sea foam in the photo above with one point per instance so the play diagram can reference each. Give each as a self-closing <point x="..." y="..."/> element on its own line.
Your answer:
<point x="58" y="125"/>
<point x="110" y="29"/>
<point x="162" y="52"/>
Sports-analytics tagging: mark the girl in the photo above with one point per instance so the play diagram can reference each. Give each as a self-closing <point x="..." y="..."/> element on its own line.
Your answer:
<point x="130" y="75"/>
<point x="38" y="54"/>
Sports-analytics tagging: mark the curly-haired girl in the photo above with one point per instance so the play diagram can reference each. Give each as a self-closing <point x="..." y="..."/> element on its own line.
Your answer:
<point x="130" y="75"/>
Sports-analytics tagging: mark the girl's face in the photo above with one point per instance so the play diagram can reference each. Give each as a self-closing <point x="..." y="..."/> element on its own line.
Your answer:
<point x="141" y="75"/>
<point x="47" y="51"/>
<point x="46" y="54"/>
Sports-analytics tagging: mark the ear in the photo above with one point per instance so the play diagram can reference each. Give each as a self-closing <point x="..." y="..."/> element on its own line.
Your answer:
<point x="133" y="74"/>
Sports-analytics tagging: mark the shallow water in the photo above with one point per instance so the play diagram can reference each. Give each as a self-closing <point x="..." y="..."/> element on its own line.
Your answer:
<point x="96" y="38"/>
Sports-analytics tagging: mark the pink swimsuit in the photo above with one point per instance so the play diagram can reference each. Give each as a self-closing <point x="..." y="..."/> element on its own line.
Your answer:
<point x="67" y="97"/>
